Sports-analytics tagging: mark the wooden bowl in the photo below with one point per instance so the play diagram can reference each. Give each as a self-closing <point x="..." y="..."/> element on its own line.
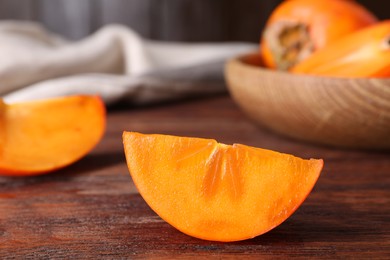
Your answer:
<point x="341" y="112"/>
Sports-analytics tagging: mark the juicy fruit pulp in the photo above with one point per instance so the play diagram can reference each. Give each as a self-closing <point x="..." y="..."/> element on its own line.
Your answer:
<point x="40" y="136"/>
<point x="214" y="191"/>
<point x="365" y="53"/>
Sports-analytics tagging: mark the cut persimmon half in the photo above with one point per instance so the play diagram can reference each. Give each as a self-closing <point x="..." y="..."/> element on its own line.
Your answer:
<point x="37" y="137"/>
<point x="215" y="191"/>
<point x="297" y="29"/>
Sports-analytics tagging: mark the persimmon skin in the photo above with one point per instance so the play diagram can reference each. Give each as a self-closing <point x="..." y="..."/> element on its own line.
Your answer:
<point x="324" y="21"/>
<point x="363" y="54"/>
<point x="38" y="137"/>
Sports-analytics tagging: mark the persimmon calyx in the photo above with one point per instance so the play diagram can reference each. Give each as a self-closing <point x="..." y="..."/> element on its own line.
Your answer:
<point x="289" y="42"/>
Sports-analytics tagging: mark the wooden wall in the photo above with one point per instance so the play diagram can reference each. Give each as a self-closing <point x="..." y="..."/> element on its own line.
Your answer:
<point x="171" y="20"/>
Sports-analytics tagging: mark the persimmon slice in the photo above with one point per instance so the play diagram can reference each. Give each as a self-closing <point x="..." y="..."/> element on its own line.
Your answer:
<point x="362" y="54"/>
<point x="215" y="191"/>
<point x="37" y="137"/>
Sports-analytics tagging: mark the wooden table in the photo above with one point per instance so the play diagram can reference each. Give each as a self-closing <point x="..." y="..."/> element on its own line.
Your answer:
<point x="92" y="210"/>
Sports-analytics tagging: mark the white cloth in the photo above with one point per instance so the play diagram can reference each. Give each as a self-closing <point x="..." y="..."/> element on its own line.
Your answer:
<point x="115" y="62"/>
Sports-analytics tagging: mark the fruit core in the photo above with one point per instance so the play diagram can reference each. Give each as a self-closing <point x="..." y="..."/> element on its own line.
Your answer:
<point x="289" y="43"/>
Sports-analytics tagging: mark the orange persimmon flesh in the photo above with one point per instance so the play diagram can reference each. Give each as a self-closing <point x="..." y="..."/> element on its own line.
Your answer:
<point x="297" y="28"/>
<point x="37" y="137"/>
<point x="365" y="53"/>
<point x="214" y="191"/>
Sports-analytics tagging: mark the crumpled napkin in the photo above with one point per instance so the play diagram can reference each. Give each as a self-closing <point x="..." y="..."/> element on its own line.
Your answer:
<point x="115" y="62"/>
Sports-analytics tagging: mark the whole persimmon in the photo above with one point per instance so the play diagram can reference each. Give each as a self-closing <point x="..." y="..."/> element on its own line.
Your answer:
<point x="298" y="28"/>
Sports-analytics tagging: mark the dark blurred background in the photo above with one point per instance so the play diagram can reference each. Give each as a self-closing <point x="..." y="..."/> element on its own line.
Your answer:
<point x="169" y="20"/>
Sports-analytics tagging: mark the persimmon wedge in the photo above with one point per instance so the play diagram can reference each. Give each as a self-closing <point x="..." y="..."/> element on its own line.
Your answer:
<point x="214" y="191"/>
<point x="37" y="137"/>
<point x="362" y="54"/>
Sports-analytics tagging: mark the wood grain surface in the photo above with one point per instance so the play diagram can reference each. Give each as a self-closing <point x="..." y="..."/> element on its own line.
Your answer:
<point x="91" y="210"/>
